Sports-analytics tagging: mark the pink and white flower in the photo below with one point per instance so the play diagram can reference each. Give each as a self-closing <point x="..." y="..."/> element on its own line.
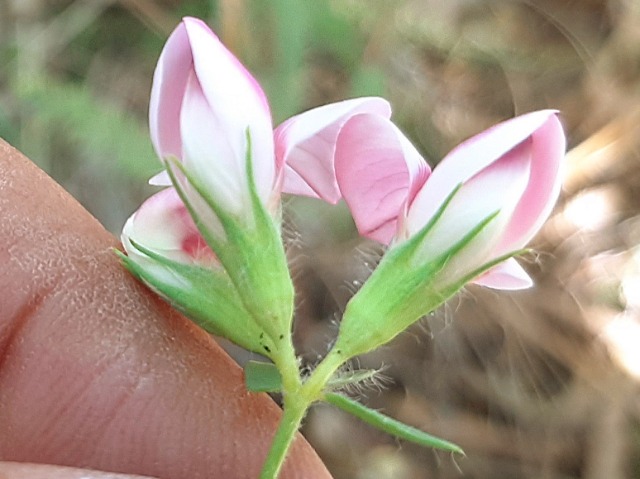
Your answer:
<point x="218" y="220"/>
<point x="511" y="171"/>
<point x="203" y="103"/>
<point x="204" y="107"/>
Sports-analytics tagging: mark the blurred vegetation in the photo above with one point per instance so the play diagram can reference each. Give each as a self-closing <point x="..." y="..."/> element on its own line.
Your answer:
<point x="542" y="384"/>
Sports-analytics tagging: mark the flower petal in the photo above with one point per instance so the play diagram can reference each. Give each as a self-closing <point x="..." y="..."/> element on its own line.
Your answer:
<point x="495" y="190"/>
<point x="378" y="171"/>
<point x="237" y="103"/>
<point x="305" y="144"/>
<point x="212" y="152"/>
<point x="169" y="83"/>
<point x="508" y="275"/>
<point x="163" y="224"/>
<point x="160" y="179"/>
<point x="547" y="151"/>
<point x="480" y="151"/>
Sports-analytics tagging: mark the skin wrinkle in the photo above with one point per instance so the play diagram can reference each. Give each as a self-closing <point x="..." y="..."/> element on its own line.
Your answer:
<point x="150" y="393"/>
<point x="16" y="324"/>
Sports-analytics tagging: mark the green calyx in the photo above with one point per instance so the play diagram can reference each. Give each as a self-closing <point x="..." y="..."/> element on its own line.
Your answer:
<point x="250" y="249"/>
<point x="205" y="295"/>
<point x="404" y="287"/>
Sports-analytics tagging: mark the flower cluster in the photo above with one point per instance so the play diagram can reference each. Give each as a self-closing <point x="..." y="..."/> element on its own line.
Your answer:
<point x="225" y="169"/>
<point x="210" y="241"/>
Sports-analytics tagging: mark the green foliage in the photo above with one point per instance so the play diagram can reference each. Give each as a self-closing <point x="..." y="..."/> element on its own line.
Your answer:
<point x="103" y="131"/>
<point x="290" y="34"/>
<point x="8" y="130"/>
<point x="368" y="80"/>
<point x="334" y="34"/>
<point x="283" y="34"/>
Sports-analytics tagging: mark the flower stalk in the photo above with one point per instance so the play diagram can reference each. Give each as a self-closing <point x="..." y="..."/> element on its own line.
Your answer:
<point x="296" y="403"/>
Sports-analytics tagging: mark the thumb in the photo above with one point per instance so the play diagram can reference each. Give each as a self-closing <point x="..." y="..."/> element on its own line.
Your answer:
<point x="97" y="372"/>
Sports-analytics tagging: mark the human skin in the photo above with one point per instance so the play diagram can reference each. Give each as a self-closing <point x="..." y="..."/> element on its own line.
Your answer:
<point x="96" y="372"/>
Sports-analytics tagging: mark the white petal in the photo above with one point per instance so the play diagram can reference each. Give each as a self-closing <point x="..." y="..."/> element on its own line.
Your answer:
<point x="161" y="179"/>
<point x="508" y="275"/>
<point x="211" y="151"/>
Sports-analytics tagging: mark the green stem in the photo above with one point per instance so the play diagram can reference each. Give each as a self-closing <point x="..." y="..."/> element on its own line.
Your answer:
<point x="294" y="411"/>
<point x="315" y="384"/>
<point x="286" y="361"/>
<point x="297" y="399"/>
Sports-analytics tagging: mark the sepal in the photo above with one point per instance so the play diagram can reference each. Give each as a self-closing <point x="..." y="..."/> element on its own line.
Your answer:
<point x="249" y="247"/>
<point x="205" y="295"/>
<point x="405" y="286"/>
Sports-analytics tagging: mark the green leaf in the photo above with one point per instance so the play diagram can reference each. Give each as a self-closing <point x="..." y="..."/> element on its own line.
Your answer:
<point x="390" y="425"/>
<point x="262" y="377"/>
<point x="110" y="135"/>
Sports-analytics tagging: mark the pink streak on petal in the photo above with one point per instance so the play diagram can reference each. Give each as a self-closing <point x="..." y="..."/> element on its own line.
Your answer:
<point x="169" y="82"/>
<point x="495" y="189"/>
<point x="306" y="143"/>
<point x="209" y="51"/>
<point x="377" y="170"/>
<point x="507" y="276"/>
<point x="545" y="140"/>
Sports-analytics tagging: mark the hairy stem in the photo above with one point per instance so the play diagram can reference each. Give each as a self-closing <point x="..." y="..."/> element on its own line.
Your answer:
<point x="298" y="397"/>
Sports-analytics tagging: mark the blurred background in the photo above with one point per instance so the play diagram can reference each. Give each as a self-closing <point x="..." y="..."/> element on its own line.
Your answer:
<point x="537" y="384"/>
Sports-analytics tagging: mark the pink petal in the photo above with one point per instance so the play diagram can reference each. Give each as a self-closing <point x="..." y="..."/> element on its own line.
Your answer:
<point x="216" y="66"/>
<point x="296" y="185"/>
<point x="378" y="170"/>
<point x="508" y="275"/>
<point x="548" y="148"/>
<point x="164" y="225"/>
<point x="169" y="83"/>
<point x="478" y="152"/>
<point x="212" y="153"/>
<point x="305" y="144"/>
<point x="495" y="190"/>
<point x="545" y="141"/>
<point x="237" y="104"/>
